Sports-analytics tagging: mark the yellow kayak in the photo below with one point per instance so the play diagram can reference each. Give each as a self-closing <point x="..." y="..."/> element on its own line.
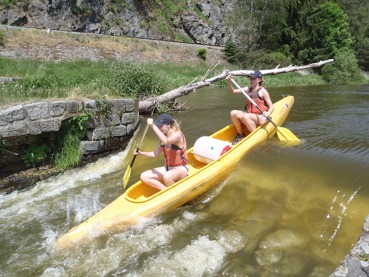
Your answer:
<point x="205" y="171"/>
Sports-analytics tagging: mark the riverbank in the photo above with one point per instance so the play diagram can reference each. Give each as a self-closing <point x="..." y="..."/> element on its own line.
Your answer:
<point x="59" y="46"/>
<point x="356" y="263"/>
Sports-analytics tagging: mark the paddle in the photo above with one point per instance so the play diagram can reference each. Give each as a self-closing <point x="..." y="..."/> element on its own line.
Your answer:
<point x="283" y="133"/>
<point x="127" y="174"/>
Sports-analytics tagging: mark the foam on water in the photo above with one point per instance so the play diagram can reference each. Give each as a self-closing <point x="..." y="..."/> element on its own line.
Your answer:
<point x="19" y="203"/>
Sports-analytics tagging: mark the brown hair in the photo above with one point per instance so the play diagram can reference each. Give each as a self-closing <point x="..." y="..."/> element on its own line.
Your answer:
<point x="174" y="127"/>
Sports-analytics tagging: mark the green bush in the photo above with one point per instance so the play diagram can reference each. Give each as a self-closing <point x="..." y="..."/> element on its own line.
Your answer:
<point x="34" y="154"/>
<point x="230" y="51"/>
<point x="202" y="53"/>
<point x="136" y="80"/>
<point x="8" y="3"/>
<point x="263" y="59"/>
<point x="344" y="70"/>
<point x="2" y="38"/>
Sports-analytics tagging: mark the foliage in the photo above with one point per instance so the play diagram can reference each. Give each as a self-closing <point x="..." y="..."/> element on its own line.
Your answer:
<point x="72" y="131"/>
<point x="357" y="11"/>
<point x="34" y="154"/>
<point x="202" y="53"/>
<point x="344" y="70"/>
<point x="273" y="17"/>
<point x="45" y="79"/>
<point x="8" y="3"/>
<point x="163" y="108"/>
<point x="102" y="107"/>
<point x="71" y="153"/>
<point x="2" y="38"/>
<point x="183" y="38"/>
<point x="48" y="79"/>
<point x="163" y="13"/>
<point x="263" y="59"/>
<point x="362" y="53"/>
<point x="136" y="80"/>
<point x="230" y="51"/>
<point x="77" y="126"/>
<point x="292" y="79"/>
<point x="327" y="29"/>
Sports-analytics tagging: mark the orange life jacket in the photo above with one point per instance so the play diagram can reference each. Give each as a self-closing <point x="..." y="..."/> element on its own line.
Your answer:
<point x="260" y="102"/>
<point x="174" y="155"/>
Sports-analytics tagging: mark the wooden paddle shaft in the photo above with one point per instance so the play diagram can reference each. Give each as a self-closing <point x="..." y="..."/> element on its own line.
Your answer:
<point x="139" y="145"/>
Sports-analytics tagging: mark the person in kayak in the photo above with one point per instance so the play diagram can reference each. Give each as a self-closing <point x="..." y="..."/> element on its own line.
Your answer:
<point x="173" y="145"/>
<point x="251" y="117"/>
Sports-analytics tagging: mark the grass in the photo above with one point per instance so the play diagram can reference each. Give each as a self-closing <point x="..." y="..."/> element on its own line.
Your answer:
<point x="96" y="79"/>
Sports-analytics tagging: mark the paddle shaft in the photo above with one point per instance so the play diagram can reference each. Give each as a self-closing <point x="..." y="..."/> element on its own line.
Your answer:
<point x="253" y="102"/>
<point x="139" y="145"/>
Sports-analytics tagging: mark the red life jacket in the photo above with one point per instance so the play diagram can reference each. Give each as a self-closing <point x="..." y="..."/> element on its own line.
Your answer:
<point x="260" y="102"/>
<point x="174" y="155"/>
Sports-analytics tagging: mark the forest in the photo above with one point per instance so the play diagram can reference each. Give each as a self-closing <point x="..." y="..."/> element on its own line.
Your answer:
<point x="299" y="32"/>
<point x="270" y="32"/>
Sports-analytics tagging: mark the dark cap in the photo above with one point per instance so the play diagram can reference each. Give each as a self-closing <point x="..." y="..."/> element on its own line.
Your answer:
<point x="164" y="119"/>
<point x="256" y="74"/>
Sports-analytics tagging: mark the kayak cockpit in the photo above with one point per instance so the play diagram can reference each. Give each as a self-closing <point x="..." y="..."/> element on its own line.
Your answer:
<point x="140" y="192"/>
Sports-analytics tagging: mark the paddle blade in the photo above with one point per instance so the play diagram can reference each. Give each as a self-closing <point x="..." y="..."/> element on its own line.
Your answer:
<point x="126" y="176"/>
<point x="285" y="134"/>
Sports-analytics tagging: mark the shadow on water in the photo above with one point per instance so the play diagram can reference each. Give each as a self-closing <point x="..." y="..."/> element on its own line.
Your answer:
<point x="283" y="211"/>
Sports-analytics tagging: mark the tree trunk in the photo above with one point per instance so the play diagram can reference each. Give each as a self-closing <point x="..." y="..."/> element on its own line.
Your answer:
<point x="149" y="104"/>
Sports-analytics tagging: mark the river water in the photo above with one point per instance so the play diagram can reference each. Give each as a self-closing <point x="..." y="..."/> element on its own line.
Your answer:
<point x="283" y="211"/>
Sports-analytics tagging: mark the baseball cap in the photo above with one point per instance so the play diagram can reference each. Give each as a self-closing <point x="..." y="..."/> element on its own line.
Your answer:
<point x="256" y="74"/>
<point x="164" y="119"/>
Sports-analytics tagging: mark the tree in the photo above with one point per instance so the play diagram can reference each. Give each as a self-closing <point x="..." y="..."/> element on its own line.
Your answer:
<point x="230" y="51"/>
<point x="328" y="29"/>
<point x="362" y="53"/>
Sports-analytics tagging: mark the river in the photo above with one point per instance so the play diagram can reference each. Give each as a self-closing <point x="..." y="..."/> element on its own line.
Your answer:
<point x="284" y="210"/>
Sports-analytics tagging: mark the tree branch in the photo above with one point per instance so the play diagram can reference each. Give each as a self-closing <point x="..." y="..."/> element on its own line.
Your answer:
<point x="152" y="102"/>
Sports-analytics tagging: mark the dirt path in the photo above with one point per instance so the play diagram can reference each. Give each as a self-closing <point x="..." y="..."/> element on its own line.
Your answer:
<point x="60" y="45"/>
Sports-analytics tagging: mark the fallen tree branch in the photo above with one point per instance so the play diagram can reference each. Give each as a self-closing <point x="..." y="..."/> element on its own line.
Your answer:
<point x="150" y="103"/>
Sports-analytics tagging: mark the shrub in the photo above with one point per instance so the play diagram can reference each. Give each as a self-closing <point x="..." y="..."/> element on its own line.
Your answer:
<point x="136" y="80"/>
<point x="34" y="154"/>
<point x="202" y="53"/>
<point x="344" y="70"/>
<point x="2" y="38"/>
<point x="263" y="59"/>
<point x="230" y="51"/>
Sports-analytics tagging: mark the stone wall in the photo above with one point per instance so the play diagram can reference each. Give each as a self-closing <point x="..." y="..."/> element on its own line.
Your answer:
<point x="109" y="128"/>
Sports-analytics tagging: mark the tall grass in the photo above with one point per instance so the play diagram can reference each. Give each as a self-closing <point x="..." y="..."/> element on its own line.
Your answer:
<point x="83" y="78"/>
<point x="71" y="153"/>
<point x="96" y="79"/>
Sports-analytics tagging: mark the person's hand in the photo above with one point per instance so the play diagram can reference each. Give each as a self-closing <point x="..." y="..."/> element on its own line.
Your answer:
<point x="150" y="121"/>
<point x="136" y="152"/>
<point x="229" y="77"/>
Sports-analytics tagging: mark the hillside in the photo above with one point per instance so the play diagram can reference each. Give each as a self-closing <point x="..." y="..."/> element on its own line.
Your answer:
<point x="60" y="45"/>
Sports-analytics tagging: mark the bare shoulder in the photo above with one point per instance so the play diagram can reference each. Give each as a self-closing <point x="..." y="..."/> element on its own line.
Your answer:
<point x="263" y="92"/>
